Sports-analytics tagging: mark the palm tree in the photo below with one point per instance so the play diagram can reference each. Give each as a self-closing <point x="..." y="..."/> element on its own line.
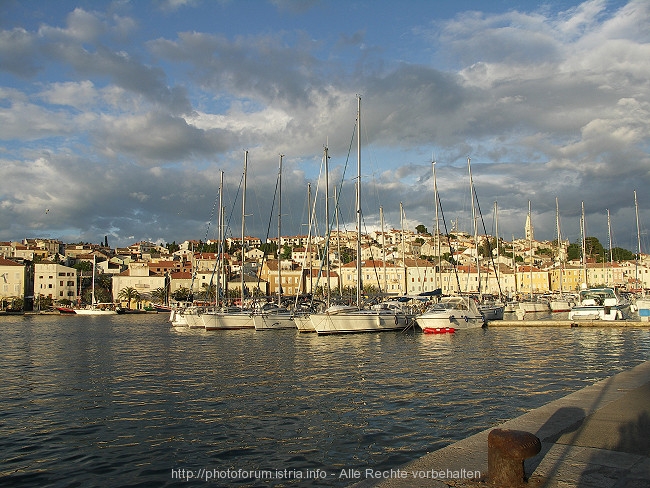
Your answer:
<point x="127" y="294"/>
<point x="159" y="295"/>
<point x="209" y="291"/>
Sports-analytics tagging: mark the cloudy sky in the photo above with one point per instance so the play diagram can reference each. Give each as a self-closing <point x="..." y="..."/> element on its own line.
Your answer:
<point x="116" y="118"/>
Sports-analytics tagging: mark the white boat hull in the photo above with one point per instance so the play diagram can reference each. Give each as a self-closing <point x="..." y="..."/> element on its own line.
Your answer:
<point x="595" y="313"/>
<point x="193" y="320"/>
<point x="272" y="321"/>
<point x="226" y="321"/>
<point x="444" y="320"/>
<point x="303" y="323"/>
<point x="450" y="314"/>
<point x="94" y="311"/>
<point x="358" y="321"/>
<point x="177" y="318"/>
<point x="562" y="305"/>
<point x="533" y="307"/>
<point x="598" y="304"/>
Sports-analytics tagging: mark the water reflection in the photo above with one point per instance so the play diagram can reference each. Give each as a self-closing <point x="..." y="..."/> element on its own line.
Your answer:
<point x="131" y="398"/>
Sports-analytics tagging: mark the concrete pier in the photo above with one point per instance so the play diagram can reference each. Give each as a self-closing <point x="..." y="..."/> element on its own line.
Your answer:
<point x="568" y="323"/>
<point x="598" y="436"/>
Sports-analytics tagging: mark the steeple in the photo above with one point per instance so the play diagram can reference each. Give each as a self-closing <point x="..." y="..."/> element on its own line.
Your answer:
<point x="530" y="235"/>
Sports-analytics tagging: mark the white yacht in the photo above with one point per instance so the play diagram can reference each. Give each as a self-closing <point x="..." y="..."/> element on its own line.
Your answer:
<point x="450" y="314"/>
<point x="598" y="304"/>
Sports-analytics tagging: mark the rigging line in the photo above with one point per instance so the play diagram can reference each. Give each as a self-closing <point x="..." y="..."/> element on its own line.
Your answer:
<point x="268" y="231"/>
<point x="221" y="247"/>
<point x="451" y="249"/>
<point x="330" y="225"/>
<point x="372" y="258"/>
<point x="373" y="167"/>
<point x="489" y="245"/>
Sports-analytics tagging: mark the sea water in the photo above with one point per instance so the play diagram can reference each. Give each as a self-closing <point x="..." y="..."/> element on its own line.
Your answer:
<point x="127" y="400"/>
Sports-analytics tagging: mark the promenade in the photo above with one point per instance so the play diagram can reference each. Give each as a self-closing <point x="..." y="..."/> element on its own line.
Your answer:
<point x="598" y="436"/>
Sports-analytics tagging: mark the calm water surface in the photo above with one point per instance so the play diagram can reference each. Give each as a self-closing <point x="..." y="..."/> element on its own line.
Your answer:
<point x="125" y="400"/>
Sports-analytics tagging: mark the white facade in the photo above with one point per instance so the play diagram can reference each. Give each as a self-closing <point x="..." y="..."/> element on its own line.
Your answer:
<point x="55" y="281"/>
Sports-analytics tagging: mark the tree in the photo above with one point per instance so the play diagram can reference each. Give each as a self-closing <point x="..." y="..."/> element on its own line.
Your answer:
<point x="181" y="295"/>
<point x="593" y="247"/>
<point x="574" y="251"/>
<point x="159" y="295"/>
<point x="286" y="252"/>
<point x="128" y="294"/>
<point x="620" y="254"/>
<point x="173" y="247"/>
<point x="421" y="229"/>
<point x="269" y="249"/>
<point x="209" y="291"/>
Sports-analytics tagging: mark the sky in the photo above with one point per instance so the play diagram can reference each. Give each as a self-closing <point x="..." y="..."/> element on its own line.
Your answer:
<point x="118" y="118"/>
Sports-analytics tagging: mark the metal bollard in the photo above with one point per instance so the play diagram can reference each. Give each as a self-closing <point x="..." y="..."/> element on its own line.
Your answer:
<point x="507" y="450"/>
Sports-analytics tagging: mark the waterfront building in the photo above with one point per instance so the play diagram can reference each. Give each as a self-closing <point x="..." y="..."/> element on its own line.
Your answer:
<point x="572" y="277"/>
<point x="533" y="280"/>
<point x="138" y="276"/>
<point x="420" y="276"/>
<point x="292" y="277"/>
<point x="12" y="281"/>
<point x="372" y="276"/>
<point x="179" y="280"/>
<point x="55" y="281"/>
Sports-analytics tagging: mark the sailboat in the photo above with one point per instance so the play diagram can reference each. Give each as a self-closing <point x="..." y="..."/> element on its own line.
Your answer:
<point x="96" y="308"/>
<point x="235" y="317"/>
<point x="490" y="309"/>
<point x="451" y="313"/>
<point x="345" y="319"/>
<point x="276" y="316"/>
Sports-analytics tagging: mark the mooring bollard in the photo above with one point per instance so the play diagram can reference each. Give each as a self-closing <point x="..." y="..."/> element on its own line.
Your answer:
<point x="507" y="450"/>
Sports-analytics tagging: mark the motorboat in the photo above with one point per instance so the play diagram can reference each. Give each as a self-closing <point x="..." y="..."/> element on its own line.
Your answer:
<point x="451" y="312"/>
<point x="598" y="304"/>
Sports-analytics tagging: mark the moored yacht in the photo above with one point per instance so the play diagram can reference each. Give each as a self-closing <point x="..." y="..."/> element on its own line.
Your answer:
<point x="599" y="304"/>
<point x="451" y="313"/>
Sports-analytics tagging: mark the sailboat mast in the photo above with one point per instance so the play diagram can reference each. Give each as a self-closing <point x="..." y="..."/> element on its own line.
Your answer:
<point x="437" y="235"/>
<point x="94" y="301"/>
<point x="530" y="245"/>
<point x="638" y="243"/>
<point x="243" y="230"/>
<point x="383" y="247"/>
<point x="401" y="219"/>
<point x="279" y="230"/>
<point x="559" y="239"/>
<point x="359" y="284"/>
<point x="220" y="232"/>
<point x="471" y="195"/>
<point x="583" y="244"/>
<point x="609" y="235"/>
<point x="328" y="228"/>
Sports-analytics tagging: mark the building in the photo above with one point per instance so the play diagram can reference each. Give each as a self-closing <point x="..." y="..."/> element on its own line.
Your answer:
<point x="55" y="281"/>
<point x="138" y="276"/>
<point x="292" y="277"/>
<point x="12" y="281"/>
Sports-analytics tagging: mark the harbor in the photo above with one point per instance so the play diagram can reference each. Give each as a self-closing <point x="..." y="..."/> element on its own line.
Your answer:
<point x="131" y="399"/>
